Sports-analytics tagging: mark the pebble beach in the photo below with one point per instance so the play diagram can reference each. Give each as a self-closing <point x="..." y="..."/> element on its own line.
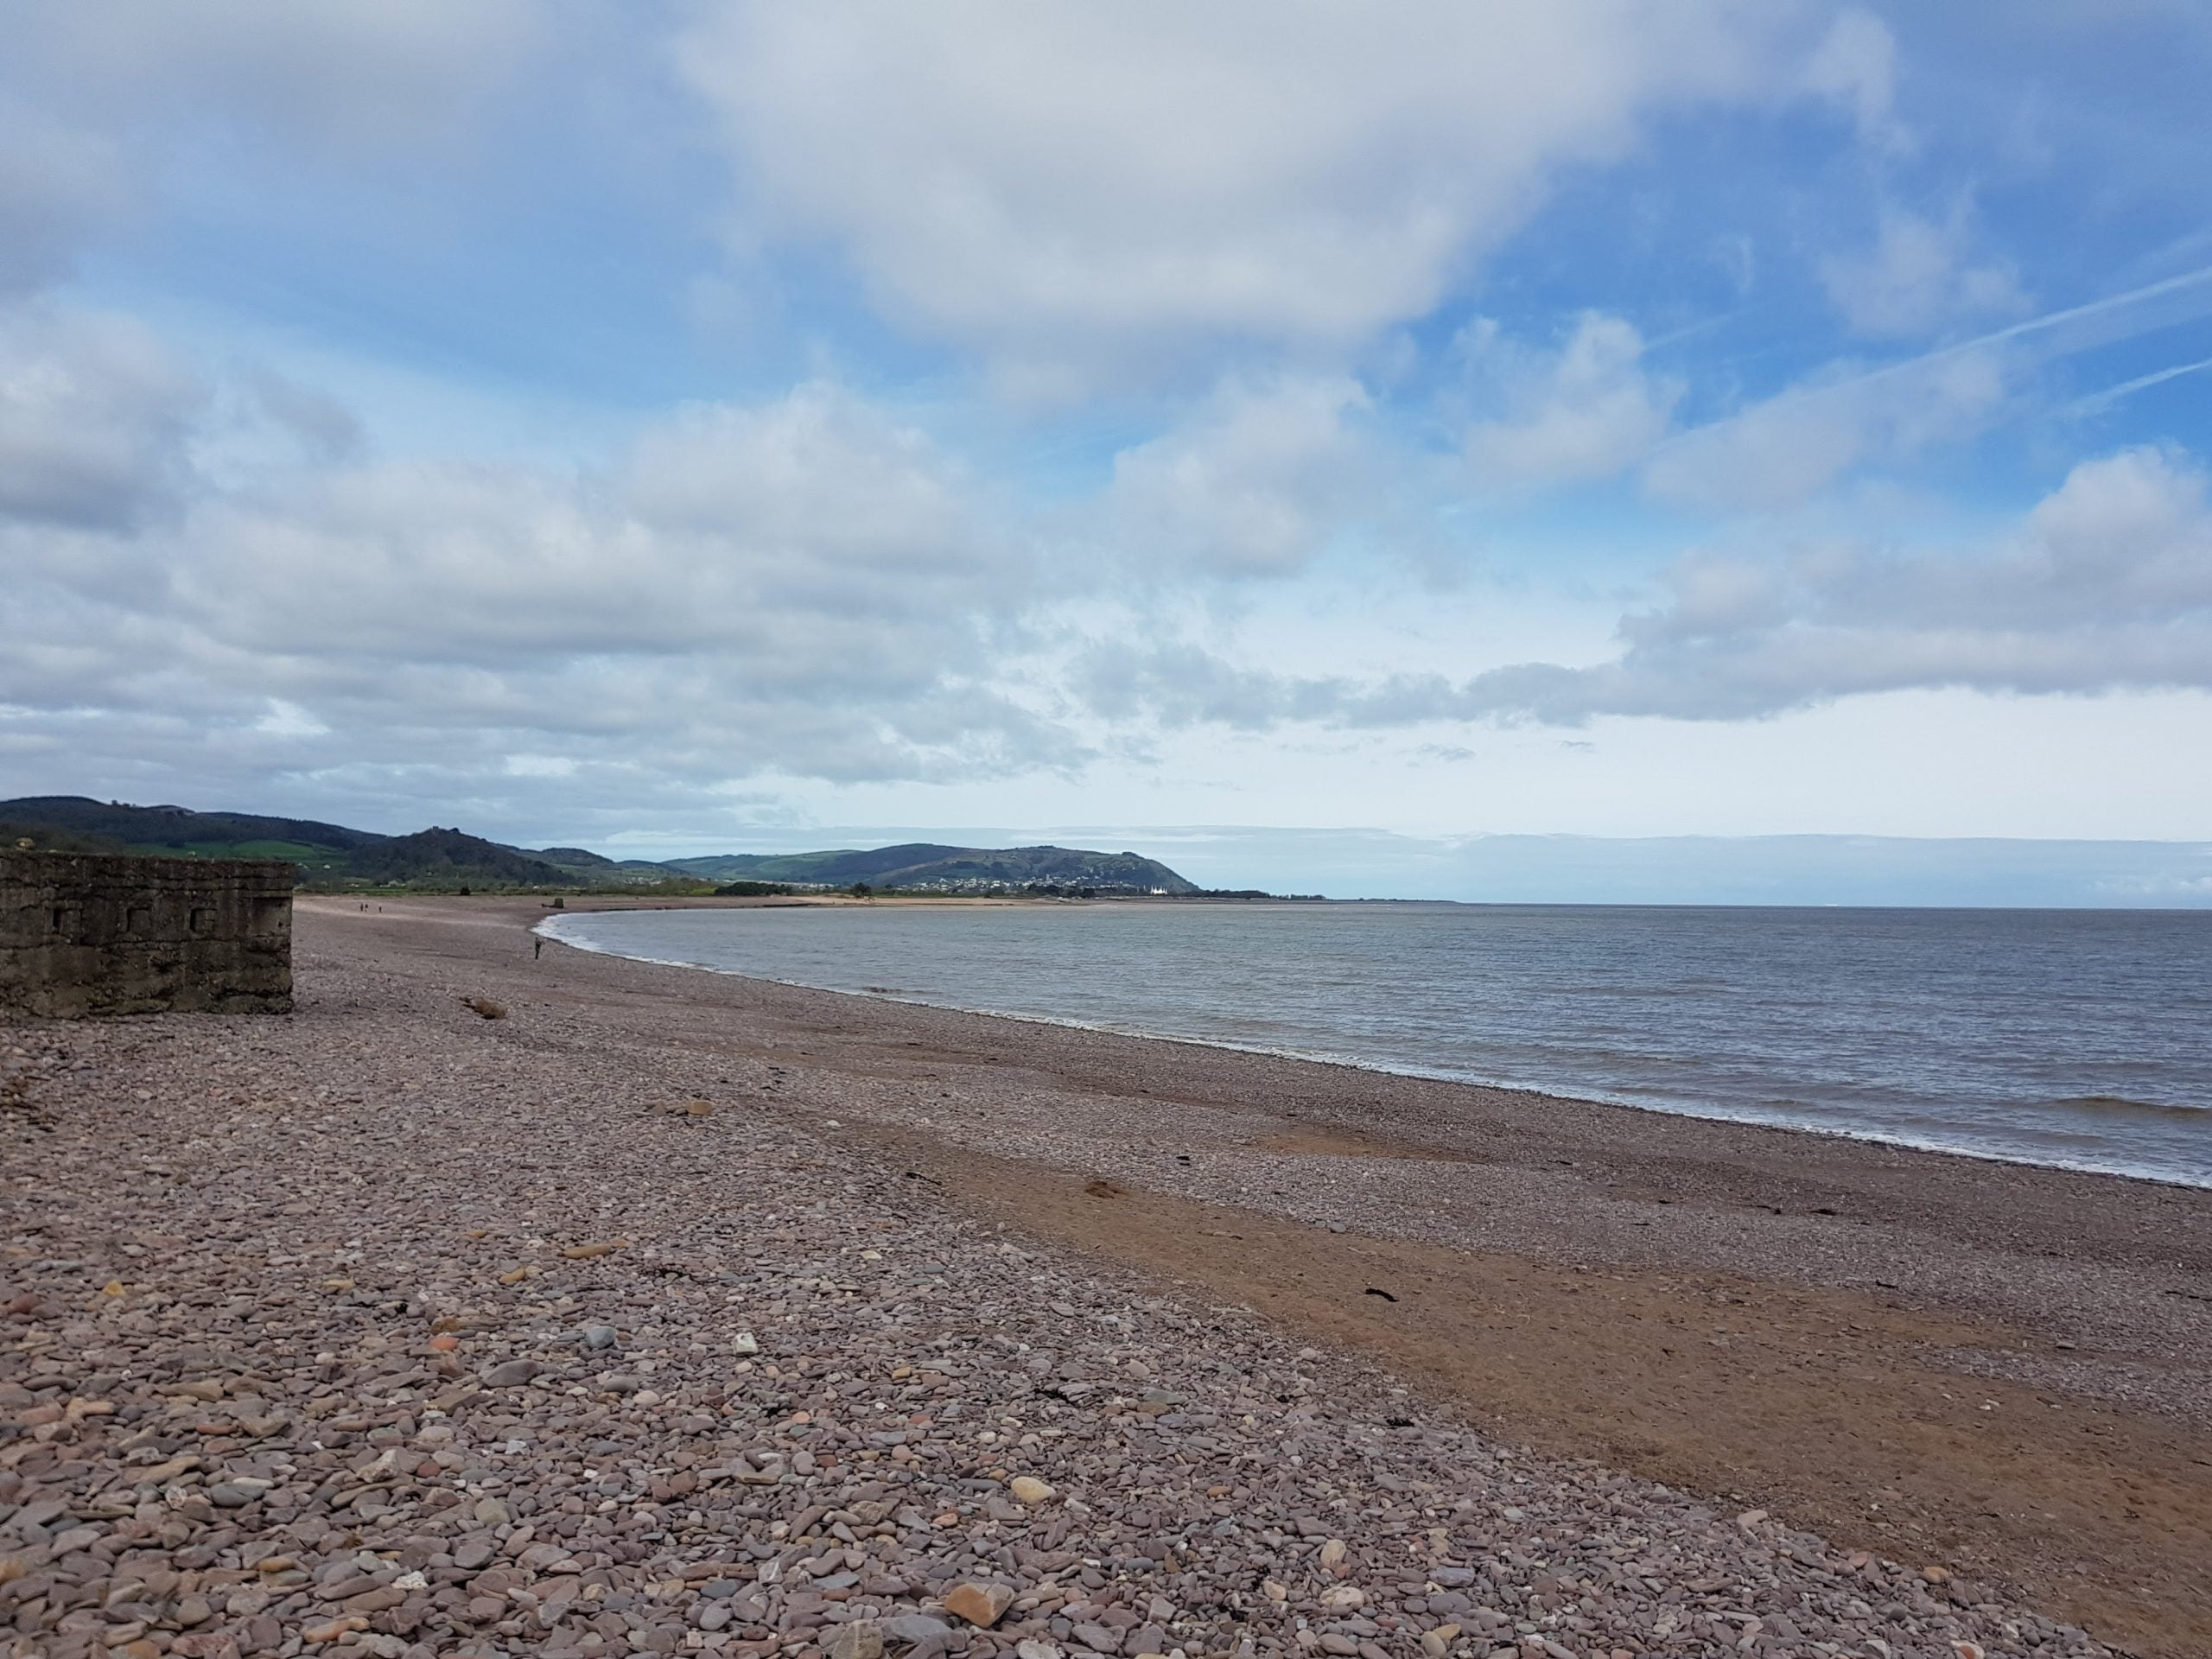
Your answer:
<point x="493" y="1305"/>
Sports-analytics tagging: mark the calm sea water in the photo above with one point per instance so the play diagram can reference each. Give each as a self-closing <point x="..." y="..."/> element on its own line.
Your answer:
<point x="2076" y="1037"/>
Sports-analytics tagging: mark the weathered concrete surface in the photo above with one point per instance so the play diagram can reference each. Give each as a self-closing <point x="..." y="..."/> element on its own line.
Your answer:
<point x="95" y="935"/>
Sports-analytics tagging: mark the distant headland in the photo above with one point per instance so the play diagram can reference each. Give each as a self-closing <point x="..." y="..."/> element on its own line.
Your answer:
<point x="332" y="858"/>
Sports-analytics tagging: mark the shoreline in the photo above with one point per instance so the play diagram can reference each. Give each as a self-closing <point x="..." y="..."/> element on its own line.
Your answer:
<point x="1421" y="1322"/>
<point x="1849" y="1307"/>
<point x="1903" y="1143"/>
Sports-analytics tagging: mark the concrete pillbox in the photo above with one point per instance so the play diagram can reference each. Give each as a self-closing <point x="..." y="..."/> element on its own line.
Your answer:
<point x="92" y="934"/>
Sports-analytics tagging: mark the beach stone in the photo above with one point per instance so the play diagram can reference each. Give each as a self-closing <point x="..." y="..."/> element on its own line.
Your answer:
<point x="916" y="1630"/>
<point x="980" y="1604"/>
<point x="1222" y="1491"/>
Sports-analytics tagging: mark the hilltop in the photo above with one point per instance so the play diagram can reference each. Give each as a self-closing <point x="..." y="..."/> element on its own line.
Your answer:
<point x="76" y="823"/>
<point x="327" y="854"/>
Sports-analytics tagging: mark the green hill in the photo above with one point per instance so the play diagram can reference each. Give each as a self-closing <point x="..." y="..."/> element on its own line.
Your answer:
<point x="573" y="858"/>
<point x="923" y="867"/>
<point x="598" y="871"/>
<point x="829" y="869"/>
<point x="436" y="857"/>
<point x="178" y="831"/>
<point x="328" y="854"/>
<point x="49" y="838"/>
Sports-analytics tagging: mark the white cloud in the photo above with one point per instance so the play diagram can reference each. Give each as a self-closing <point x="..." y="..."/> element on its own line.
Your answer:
<point x="804" y="585"/>
<point x="321" y="425"/>
<point x="721" y="530"/>
<point x="768" y="475"/>
<point x="540" y="766"/>
<point x="1919" y="277"/>
<point x="1085" y="192"/>
<point x="1254" y="482"/>
<point x="102" y="106"/>
<point x="95" y="415"/>
<point x="364" y="75"/>
<point x="1588" y="410"/>
<point x="59" y="184"/>
<point x="288" y="720"/>
<point x="2105" y="585"/>
<point x="1856" y="64"/>
<point x="1783" y="451"/>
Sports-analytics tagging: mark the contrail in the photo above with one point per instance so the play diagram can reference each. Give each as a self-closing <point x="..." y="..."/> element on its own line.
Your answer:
<point x="2200" y="278"/>
<point x="2112" y="395"/>
<point x="2052" y="319"/>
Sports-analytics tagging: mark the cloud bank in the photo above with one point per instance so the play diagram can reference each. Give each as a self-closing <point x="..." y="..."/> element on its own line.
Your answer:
<point x="475" y="404"/>
<point x="1082" y="194"/>
<point x="802" y="585"/>
<point x="2105" y="585"/>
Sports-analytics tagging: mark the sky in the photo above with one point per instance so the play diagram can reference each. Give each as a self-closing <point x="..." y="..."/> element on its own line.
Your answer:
<point x="710" y="425"/>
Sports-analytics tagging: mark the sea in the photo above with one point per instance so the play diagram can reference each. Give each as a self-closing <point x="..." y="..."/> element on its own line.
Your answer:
<point x="2080" y="1038"/>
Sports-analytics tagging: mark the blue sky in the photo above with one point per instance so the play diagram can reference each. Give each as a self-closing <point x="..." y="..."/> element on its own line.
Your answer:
<point x="664" y="428"/>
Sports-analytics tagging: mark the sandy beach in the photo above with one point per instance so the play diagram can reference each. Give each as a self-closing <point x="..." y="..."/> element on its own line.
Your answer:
<point x="677" y="1311"/>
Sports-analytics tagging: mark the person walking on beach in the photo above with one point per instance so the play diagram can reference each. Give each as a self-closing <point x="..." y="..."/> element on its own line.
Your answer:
<point x="537" y="946"/>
